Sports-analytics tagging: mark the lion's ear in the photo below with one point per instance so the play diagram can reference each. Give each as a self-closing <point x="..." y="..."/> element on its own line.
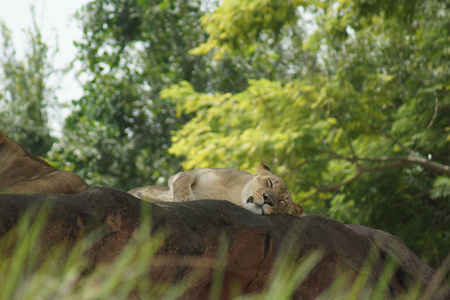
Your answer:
<point x="263" y="169"/>
<point x="298" y="210"/>
<point x="2" y="137"/>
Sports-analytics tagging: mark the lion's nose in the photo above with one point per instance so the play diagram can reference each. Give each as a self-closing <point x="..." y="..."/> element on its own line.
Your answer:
<point x="269" y="198"/>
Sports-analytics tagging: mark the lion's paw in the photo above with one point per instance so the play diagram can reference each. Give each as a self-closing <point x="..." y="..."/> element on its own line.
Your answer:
<point x="183" y="197"/>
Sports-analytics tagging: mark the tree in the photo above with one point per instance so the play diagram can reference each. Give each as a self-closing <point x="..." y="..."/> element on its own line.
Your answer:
<point x="26" y="92"/>
<point x="362" y="131"/>
<point x="120" y="130"/>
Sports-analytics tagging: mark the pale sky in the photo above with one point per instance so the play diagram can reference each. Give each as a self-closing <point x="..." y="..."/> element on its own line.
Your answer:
<point x="55" y="19"/>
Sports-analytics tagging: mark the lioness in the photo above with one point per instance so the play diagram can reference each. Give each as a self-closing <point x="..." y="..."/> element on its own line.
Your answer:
<point x="23" y="172"/>
<point x="263" y="193"/>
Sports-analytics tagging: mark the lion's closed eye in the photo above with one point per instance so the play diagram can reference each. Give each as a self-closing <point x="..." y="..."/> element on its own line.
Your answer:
<point x="270" y="183"/>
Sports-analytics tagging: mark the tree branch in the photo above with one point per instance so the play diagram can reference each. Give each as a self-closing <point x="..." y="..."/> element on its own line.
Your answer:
<point x="339" y="156"/>
<point x="387" y="163"/>
<point x="361" y="171"/>
<point x="436" y="108"/>
<point x="338" y="185"/>
<point x="396" y="141"/>
<point x="410" y="161"/>
<point x="349" y="141"/>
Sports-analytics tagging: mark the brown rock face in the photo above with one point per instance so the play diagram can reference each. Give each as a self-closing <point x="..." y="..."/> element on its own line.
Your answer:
<point x="23" y="172"/>
<point x="202" y="235"/>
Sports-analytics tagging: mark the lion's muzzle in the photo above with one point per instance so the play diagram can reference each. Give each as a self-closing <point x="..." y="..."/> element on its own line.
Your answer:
<point x="269" y="198"/>
<point x="263" y="197"/>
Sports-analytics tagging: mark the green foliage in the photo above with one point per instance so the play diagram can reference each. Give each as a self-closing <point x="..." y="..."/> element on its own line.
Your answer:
<point x="236" y="23"/>
<point x="362" y="132"/>
<point x="25" y="91"/>
<point x="120" y="130"/>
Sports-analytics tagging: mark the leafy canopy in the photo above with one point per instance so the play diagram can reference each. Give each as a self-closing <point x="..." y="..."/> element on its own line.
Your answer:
<point x="26" y="91"/>
<point x="362" y="131"/>
<point x="120" y="130"/>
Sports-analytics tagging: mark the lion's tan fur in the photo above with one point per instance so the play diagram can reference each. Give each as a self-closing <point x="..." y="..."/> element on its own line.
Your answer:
<point x="263" y="193"/>
<point x="23" y="172"/>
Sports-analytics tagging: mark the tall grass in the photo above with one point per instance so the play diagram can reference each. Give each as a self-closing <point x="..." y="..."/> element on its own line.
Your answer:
<point x="27" y="273"/>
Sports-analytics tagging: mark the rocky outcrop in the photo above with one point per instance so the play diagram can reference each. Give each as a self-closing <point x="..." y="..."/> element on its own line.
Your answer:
<point x="23" y="172"/>
<point x="198" y="232"/>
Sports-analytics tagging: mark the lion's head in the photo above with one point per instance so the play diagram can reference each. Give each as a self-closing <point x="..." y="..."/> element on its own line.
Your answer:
<point x="267" y="194"/>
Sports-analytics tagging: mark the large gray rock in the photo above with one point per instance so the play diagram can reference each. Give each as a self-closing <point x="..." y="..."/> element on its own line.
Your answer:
<point x="194" y="235"/>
